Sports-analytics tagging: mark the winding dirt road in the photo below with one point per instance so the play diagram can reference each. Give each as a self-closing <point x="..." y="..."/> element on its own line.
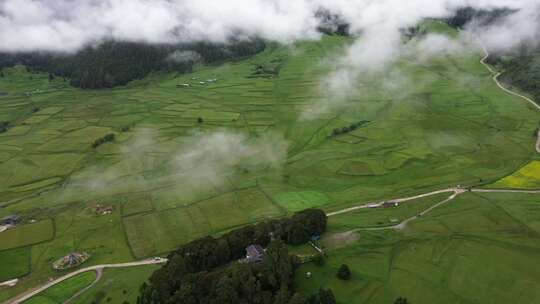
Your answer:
<point x="496" y="80"/>
<point x="456" y="192"/>
<point x="98" y="268"/>
<point x="397" y="200"/>
<point x="99" y="274"/>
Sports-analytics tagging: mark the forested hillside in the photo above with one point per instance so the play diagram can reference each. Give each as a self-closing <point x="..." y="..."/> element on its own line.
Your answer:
<point x="115" y="63"/>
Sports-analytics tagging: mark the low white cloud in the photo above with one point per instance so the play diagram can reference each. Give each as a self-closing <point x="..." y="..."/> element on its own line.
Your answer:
<point x="198" y="162"/>
<point x="66" y="25"/>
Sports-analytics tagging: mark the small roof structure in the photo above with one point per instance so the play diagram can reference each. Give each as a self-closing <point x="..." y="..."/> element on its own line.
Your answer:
<point x="71" y="260"/>
<point x="254" y="253"/>
<point x="11" y="219"/>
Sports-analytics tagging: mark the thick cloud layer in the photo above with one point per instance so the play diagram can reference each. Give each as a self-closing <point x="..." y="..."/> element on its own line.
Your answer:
<point x="66" y="25"/>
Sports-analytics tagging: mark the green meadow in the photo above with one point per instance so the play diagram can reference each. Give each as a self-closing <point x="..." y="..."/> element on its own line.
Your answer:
<point x="63" y="291"/>
<point x="117" y="285"/>
<point x="437" y="131"/>
<point x="478" y="248"/>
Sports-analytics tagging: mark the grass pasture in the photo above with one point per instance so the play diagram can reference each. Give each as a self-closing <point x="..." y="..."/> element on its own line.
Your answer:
<point x="444" y="132"/>
<point x="61" y="292"/>
<point x="27" y="234"/>
<point x="15" y="263"/>
<point x="476" y="249"/>
<point x="117" y="285"/>
<point x="159" y="232"/>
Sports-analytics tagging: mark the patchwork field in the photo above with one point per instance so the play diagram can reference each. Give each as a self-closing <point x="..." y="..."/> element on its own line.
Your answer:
<point x="475" y="249"/>
<point x="262" y="158"/>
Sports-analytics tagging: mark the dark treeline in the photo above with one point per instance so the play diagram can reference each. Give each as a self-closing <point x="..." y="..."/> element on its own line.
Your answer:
<point x="194" y="273"/>
<point x="466" y="15"/>
<point x="114" y="63"/>
<point x="331" y="23"/>
<point x="349" y="128"/>
<point x="4" y="126"/>
<point x="100" y="141"/>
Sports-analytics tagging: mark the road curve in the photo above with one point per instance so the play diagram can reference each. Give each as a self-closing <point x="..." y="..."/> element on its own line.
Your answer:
<point x="397" y="200"/>
<point x="99" y="274"/>
<point x="457" y="191"/>
<point x="28" y="294"/>
<point x="404" y="223"/>
<point x="496" y="79"/>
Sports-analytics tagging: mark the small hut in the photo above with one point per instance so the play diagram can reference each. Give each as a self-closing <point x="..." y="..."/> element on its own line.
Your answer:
<point x="254" y="253"/>
<point x="71" y="260"/>
<point x="10" y="220"/>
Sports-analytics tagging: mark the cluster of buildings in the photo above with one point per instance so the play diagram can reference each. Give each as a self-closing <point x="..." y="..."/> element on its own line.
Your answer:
<point x="103" y="210"/>
<point x="187" y="85"/>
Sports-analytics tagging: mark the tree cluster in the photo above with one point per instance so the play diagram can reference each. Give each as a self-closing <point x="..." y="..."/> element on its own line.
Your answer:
<point x="344" y="273"/>
<point x="331" y="23"/>
<point x="268" y="282"/>
<point x="268" y="69"/>
<point x="401" y="300"/>
<point x="349" y="128"/>
<point x="4" y="126"/>
<point x="195" y="262"/>
<point x="114" y="63"/>
<point x="107" y="138"/>
<point x="483" y="17"/>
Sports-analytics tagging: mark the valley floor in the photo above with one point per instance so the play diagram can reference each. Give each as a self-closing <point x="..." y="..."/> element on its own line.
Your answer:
<point x="152" y="188"/>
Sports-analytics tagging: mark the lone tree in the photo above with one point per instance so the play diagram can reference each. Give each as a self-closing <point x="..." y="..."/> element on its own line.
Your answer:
<point x="401" y="300"/>
<point x="318" y="259"/>
<point x="200" y="120"/>
<point x="344" y="273"/>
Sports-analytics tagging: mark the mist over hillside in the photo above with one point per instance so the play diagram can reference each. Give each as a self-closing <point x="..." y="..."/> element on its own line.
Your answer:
<point x="105" y="43"/>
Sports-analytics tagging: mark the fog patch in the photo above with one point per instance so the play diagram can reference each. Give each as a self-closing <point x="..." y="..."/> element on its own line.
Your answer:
<point x="183" y="57"/>
<point x="198" y="162"/>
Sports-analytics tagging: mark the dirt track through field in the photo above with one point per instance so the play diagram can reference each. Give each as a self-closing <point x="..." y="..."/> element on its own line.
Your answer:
<point x="98" y="268"/>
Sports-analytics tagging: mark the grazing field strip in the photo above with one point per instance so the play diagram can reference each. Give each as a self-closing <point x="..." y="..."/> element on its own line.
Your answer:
<point x="28" y="234"/>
